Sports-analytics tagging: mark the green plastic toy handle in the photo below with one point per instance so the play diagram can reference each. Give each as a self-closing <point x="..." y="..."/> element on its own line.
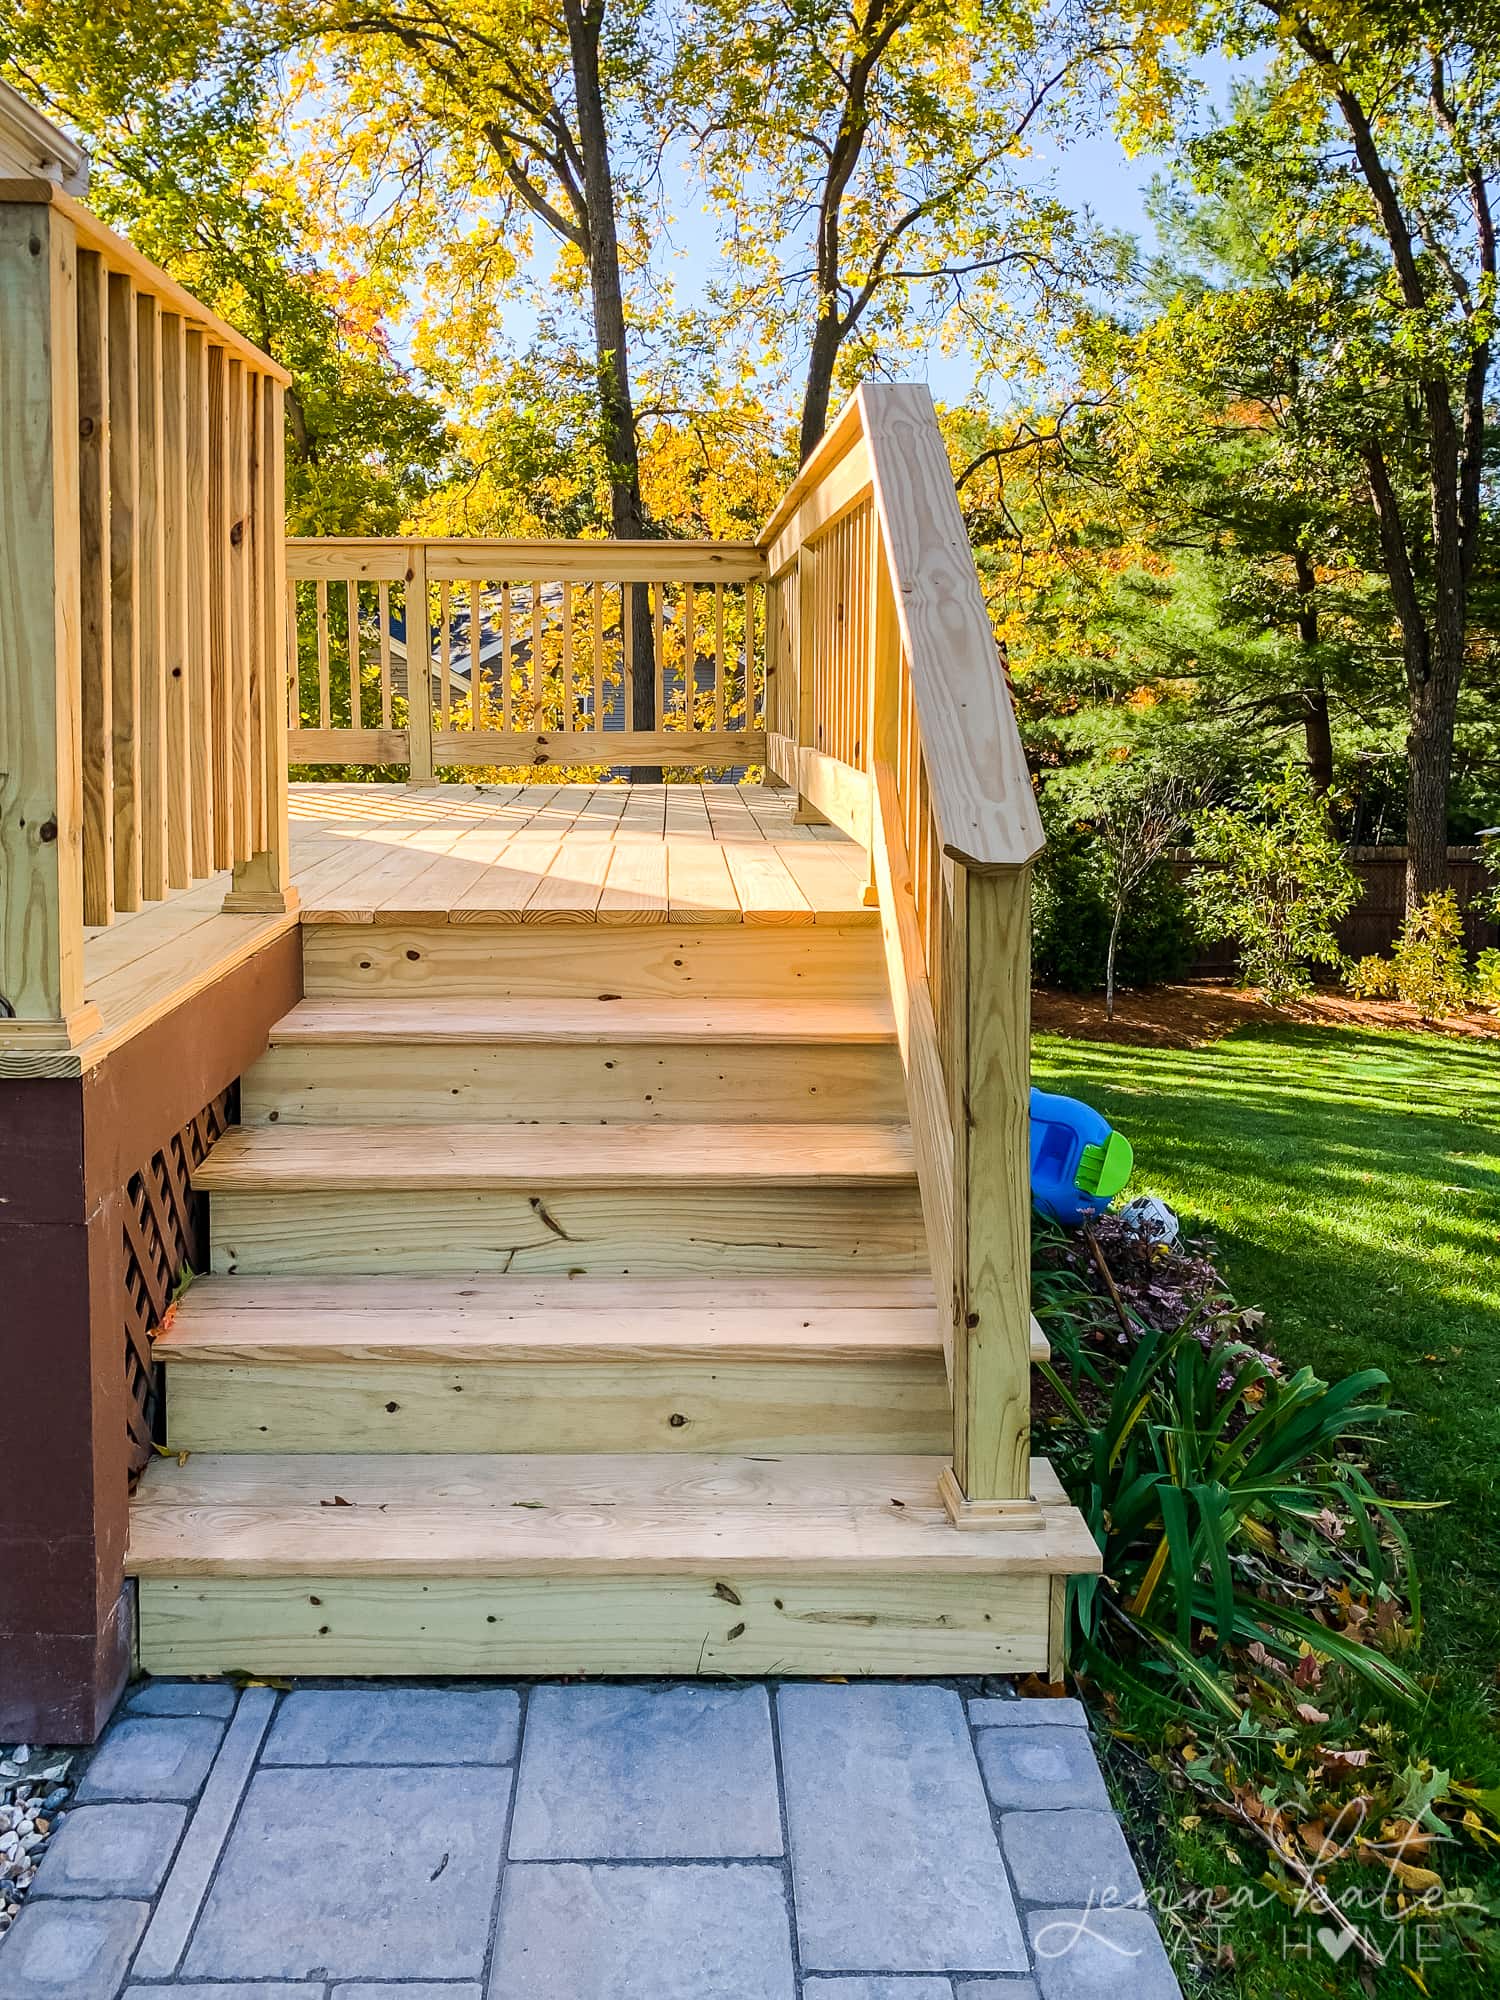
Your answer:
<point x="1104" y="1170"/>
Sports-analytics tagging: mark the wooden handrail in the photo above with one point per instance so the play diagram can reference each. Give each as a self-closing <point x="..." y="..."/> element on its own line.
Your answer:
<point x="142" y="600"/>
<point x="981" y="789"/>
<point x="888" y="710"/>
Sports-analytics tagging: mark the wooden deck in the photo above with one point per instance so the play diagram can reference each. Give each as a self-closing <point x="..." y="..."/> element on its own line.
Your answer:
<point x="702" y="855"/>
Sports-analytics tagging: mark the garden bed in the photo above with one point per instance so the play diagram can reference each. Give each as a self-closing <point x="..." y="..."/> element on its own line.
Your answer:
<point x="1190" y="1015"/>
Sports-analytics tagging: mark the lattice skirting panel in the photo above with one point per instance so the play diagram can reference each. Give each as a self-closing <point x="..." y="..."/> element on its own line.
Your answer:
<point x="166" y="1232"/>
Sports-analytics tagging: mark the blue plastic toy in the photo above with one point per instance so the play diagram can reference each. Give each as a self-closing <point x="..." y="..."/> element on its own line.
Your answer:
<point x="1079" y="1162"/>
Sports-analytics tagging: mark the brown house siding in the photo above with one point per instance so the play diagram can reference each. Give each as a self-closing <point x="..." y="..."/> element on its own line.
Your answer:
<point x="68" y="1150"/>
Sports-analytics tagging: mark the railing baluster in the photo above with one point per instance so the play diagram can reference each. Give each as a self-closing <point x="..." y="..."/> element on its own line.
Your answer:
<point x="505" y="669"/>
<point x="198" y="637"/>
<point x="418" y="670"/>
<point x="239" y="615"/>
<point x="383" y="613"/>
<point x="320" y="606"/>
<point x="445" y="657"/>
<point x="124" y="638"/>
<point x="94" y="567"/>
<point x="356" y="693"/>
<point x="596" y="609"/>
<point x="175" y="603"/>
<point x="221" y="629"/>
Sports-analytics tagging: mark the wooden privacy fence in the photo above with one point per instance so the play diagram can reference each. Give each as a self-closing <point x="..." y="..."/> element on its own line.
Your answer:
<point x="464" y="653"/>
<point x="142" y="600"/>
<point x="886" y="707"/>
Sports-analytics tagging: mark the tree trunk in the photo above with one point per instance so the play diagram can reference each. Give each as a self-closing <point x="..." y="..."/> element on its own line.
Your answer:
<point x="611" y="348"/>
<point x="1432" y="710"/>
<point x="1317" y="730"/>
<point x="819" y="385"/>
<point x="1109" y="959"/>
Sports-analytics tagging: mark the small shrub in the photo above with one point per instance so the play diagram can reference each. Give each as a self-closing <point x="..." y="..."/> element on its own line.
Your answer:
<point x="1274" y="879"/>
<point x="1071" y="917"/>
<point x="1373" y="978"/>
<point x="1487" y="980"/>
<point x="1427" y="968"/>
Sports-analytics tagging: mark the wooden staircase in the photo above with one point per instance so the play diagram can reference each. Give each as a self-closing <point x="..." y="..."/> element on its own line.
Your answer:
<point x="571" y="1312"/>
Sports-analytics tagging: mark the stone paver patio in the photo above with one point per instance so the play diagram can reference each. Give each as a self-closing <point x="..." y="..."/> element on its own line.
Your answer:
<point x="631" y="1841"/>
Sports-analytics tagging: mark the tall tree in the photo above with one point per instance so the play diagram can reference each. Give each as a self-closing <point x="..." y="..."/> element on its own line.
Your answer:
<point x="1228" y="437"/>
<point x="870" y="155"/>
<point x="436" y="108"/>
<point x="171" y="103"/>
<point x="1391" y="108"/>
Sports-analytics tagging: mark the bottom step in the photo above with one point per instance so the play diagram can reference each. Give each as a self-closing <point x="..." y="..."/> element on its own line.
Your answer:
<point x="601" y="1565"/>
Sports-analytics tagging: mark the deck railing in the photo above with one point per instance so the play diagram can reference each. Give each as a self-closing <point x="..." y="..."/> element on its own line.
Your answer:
<point x="889" y="712"/>
<point x="141" y="603"/>
<point x="441" y="654"/>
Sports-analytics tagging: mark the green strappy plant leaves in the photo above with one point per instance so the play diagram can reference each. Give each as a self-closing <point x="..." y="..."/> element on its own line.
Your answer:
<point x="1232" y="1510"/>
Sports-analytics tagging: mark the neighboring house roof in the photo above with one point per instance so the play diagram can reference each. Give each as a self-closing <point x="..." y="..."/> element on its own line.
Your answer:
<point x="32" y="147"/>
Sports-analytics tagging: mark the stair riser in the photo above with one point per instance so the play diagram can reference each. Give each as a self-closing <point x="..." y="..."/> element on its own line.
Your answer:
<point x="632" y="1405"/>
<point x="917" y="1624"/>
<point x="645" y="1232"/>
<point x="386" y="1083"/>
<point x="573" y="961"/>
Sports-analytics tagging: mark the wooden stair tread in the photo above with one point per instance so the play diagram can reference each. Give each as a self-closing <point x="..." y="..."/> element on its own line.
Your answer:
<point x="668" y="1021"/>
<point x="476" y="1320"/>
<point x="504" y="1319"/>
<point x="415" y="1515"/>
<point x="393" y="1158"/>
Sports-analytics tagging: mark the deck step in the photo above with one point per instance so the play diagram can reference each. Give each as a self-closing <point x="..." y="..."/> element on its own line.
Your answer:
<point x="650" y="1200"/>
<point x="505" y="1022"/>
<point x="605" y="1564"/>
<point x="566" y="1365"/>
<point x="503" y="1157"/>
<point x="584" y="1060"/>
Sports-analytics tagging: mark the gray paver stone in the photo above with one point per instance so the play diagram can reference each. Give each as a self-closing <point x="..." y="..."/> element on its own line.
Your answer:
<point x="70" y="1950"/>
<point x="1069" y="1857"/>
<point x="1100" y="1955"/>
<point x="643" y="1773"/>
<point x="150" y="1757"/>
<point x="184" y="1698"/>
<point x="1041" y="1769"/>
<point x="634" y="1932"/>
<point x="256" y="1989"/>
<point x="878" y="1986"/>
<point x="182" y="1898"/>
<point x="895" y="1861"/>
<point x="110" y="1851"/>
<point x="374" y="1725"/>
<point x="996" y="1989"/>
<point x="989" y="1711"/>
<point x="444" y="1990"/>
<point x="349" y="1874"/>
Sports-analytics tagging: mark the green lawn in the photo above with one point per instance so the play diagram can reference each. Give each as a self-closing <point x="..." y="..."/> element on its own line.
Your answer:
<point x="1351" y="1181"/>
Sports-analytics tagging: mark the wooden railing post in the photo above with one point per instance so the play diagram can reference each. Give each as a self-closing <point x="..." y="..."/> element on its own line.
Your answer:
<point x="989" y="1012"/>
<point x="263" y="883"/>
<point x="41" y="740"/>
<point x="418" y="671"/>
